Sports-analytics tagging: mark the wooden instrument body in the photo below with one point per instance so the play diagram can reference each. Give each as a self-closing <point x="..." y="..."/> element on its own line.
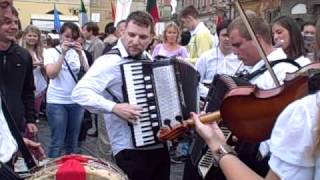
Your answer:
<point x="250" y="113"/>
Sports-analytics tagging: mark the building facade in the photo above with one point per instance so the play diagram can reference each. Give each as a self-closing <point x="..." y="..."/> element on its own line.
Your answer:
<point x="301" y="10"/>
<point x="39" y="12"/>
<point x="210" y="10"/>
<point x="101" y="11"/>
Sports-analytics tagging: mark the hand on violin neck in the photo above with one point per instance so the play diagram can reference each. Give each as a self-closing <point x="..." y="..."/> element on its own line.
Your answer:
<point x="210" y="132"/>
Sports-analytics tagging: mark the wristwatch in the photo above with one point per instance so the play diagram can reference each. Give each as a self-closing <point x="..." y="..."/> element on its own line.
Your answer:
<point x="223" y="150"/>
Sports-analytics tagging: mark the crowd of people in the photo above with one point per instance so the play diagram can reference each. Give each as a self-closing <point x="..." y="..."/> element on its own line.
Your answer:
<point x="80" y="77"/>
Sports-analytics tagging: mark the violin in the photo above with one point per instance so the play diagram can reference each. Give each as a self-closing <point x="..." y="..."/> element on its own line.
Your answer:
<point x="249" y="112"/>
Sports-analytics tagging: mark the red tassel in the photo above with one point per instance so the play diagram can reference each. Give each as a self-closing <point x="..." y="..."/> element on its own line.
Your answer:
<point x="70" y="167"/>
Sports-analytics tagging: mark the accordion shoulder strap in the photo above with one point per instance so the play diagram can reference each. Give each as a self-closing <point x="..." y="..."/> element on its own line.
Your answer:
<point x="114" y="51"/>
<point x="264" y="68"/>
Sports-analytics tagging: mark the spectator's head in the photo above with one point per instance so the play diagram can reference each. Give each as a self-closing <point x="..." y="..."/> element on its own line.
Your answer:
<point x="31" y="39"/>
<point x="31" y="36"/>
<point x="139" y="32"/>
<point x="121" y="27"/>
<point x="222" y="32"/>
<point x="308" y="28"/>
<point x="109" y="29"/>
<point x="189" y="17"/>
<point x="171" y="33"/>
<point x="242" y="44"/>
<point x="9" y="19"/>
<point x="69" y="32"/>
<point x="285" y="31"/>
<point x="90" y="29"/>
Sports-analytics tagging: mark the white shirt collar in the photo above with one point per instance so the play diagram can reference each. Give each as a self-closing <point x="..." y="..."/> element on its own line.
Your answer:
<point x="197" y="29"/>
<point x="122" y="49"/>
<point x="276" y="54"/>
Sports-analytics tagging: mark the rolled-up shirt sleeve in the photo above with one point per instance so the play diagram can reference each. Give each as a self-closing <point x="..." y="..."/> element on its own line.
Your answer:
<point x="89" y="90"/>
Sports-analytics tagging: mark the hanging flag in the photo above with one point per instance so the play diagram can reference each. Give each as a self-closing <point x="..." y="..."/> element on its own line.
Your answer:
<point x="173" y="4"/>
<point x="56" y="19"/>
<point x="123" y="10"/>
<point x="83" y="18"/>
<point x="152" y="8"/>
<point x="113" y="11"/>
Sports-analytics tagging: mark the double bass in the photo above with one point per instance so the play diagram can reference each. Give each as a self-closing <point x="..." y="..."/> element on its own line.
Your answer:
<point x="249" y="112"/>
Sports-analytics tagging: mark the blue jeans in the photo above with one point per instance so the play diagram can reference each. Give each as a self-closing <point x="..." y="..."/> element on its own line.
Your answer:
<point x="65" y="123"/>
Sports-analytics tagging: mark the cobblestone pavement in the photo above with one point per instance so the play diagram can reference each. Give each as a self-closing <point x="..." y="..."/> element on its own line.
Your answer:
<point x="88" y="148"/>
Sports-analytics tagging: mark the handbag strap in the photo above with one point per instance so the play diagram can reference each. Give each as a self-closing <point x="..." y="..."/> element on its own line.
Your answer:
<point x="69" y="69"/>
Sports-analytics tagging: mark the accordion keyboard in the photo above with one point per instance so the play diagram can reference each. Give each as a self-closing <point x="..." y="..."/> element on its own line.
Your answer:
<point x="207" y="160"/>
<point x="140" y="92"/>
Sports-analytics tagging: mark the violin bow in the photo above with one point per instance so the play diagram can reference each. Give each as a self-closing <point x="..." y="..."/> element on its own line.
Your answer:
<point x="258" y="44"/>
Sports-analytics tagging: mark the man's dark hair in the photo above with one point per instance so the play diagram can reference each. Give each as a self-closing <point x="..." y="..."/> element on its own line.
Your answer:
<point x="120" y="22"/>
<point x="141" y="18"/>
<point x="92" y="27"/>
<point x="189" y="11"/>
<point x="259" y="26"/>
<point x="308" y="23"/>
<point x="109" y="28"/>
<point x="222" y="25"/>
<point x="14" y="11"/>
<point x="74" y="29"/>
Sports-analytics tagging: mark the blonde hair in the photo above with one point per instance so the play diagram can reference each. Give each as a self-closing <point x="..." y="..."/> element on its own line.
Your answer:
<point x="38" y="49"/>
<point x="175" y="26"/>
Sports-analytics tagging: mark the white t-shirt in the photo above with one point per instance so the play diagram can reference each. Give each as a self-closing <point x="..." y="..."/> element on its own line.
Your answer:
<point x="60" y="88"/>
<point x="8" y="145"/>
<point x="293" y="141"/>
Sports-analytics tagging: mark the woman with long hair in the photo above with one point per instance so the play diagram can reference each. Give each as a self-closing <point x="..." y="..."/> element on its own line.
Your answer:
<point x="286" y="34"/>
<point x="31" y="40"/>
<point x="170" y="46"/>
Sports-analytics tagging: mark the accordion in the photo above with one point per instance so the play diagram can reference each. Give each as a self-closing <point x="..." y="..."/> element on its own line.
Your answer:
<point x="201" y="156"/>
<point x="166" y="90"/>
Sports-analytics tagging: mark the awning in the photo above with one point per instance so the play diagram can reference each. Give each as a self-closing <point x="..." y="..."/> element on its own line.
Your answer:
<point x="45" y="21"/>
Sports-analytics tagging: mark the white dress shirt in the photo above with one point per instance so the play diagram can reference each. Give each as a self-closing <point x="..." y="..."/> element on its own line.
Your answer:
<point x="8" y="145"/>
<point x="293" y="141"/>
<point x="214" y="62"/>
<point x="265" y="81"/>
<point x="91" y="94"/>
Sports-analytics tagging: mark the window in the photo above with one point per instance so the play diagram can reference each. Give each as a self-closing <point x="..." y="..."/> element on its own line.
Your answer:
<point x="299" y="9"/>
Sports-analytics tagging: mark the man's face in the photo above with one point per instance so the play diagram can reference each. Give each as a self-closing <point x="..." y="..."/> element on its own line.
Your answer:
<point x="187" y="23"/>
<point x="8" y="25"/>
<point x="121" y="29"/>
<point x="243" y="48"/>
<point x="309" y="30"/>
<point x="136" y="38"/>
<point x="86" y="33"/>
<point x="224" y="40"/>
